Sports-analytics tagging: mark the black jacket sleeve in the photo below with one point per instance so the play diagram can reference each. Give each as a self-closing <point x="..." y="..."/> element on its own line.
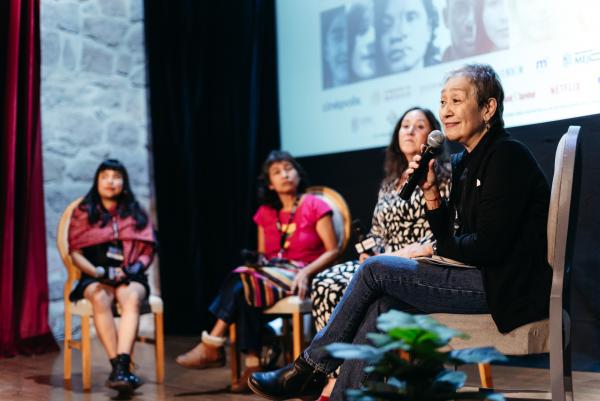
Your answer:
<point x="499" y="203"/>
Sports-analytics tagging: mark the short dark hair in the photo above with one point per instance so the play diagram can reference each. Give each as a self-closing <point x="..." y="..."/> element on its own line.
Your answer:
<point x="395" y="161"/>
<point x="487" y="86"/>
<point x="267" y="196"/>
<point x="127" y="205"/>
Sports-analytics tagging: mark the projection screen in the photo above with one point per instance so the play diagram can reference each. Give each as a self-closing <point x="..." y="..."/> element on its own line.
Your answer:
<point x="348" y="69"/>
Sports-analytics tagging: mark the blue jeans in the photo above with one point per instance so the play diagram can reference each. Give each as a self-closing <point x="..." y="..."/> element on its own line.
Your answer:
<point x="389" y="282"/>
<point x="231" y="306"/>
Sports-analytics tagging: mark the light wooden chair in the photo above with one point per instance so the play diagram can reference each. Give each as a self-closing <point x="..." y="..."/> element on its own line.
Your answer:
<point x="550" y="335"/>
<point x="293" y="307"/>
<point x="83" y="309"/>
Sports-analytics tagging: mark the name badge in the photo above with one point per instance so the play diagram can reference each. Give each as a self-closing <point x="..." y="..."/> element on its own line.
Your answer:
<point x="115" y="253"/>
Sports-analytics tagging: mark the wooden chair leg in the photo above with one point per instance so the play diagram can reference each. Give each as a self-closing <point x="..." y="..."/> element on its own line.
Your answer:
<point x="561" y="375"/>
<point x="297" y="334"/>
<point x="67" y="352"/>
<point x="234" y="354"/>
<point x="159" y="347"/>
<point x="86" y="366"/>
<point x="287" y="350"/>
<point x="485" y="375"/>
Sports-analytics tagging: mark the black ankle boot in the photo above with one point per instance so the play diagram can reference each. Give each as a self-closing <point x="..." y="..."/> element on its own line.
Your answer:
<point x="297" y="380"/>
<point x="135" y="380"/>
<point x="119" y="377"/>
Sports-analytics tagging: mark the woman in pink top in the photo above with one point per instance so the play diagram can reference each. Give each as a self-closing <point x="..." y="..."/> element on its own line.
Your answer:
<point x="296" y="240"/>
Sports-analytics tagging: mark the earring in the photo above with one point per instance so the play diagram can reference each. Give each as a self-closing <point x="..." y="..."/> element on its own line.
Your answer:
<point x="487" y="125"/>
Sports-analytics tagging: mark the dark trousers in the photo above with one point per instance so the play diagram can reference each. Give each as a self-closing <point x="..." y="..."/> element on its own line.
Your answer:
<point x="231" y="306"/>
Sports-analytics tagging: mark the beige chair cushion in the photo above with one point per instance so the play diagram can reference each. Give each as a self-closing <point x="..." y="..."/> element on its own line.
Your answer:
<point x="291" y="304"/>
<point x="532" y="338"/>
<point x="337" y="218"/>
<point x="83" y="307"/>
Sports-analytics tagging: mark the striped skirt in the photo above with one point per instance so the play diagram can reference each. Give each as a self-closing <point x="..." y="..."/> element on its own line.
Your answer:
<point x="265" y="286"/>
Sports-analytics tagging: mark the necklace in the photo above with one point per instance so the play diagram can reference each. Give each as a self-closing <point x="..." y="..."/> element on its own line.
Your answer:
<point x="283" y="234"/>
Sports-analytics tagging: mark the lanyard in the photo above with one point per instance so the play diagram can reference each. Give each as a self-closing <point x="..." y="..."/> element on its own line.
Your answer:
<point x="115" y="227"/>
<point x="284" y="234"/>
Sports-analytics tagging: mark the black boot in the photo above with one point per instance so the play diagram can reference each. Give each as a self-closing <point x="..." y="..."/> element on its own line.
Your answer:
<point x="296" y="380"/>
<point x="119" y="377"/>
<point x="135" y="380"/>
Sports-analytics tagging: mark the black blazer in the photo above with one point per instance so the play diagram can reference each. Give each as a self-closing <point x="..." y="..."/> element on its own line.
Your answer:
<point x="499" y="202"/>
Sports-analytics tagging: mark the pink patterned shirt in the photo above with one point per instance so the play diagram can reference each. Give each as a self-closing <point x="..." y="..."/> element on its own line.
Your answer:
<point x="303" y="243"/>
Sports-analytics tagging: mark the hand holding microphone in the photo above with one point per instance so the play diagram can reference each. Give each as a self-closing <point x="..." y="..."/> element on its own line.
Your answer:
<point x="420" y="164"/>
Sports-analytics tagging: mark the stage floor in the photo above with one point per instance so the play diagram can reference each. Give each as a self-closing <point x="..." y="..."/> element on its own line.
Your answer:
<point x="40" y="378"/>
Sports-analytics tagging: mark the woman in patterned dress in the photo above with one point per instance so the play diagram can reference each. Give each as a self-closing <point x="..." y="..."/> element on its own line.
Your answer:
<point x="399" y="227"/>
<point x="296" y="240"/>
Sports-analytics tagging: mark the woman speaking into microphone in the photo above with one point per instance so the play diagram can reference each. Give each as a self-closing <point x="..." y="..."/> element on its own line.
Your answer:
<point x="494" y="221"/>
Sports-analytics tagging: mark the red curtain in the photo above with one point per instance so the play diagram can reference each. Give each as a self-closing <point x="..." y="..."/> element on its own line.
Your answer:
<point x="23" y="270"/>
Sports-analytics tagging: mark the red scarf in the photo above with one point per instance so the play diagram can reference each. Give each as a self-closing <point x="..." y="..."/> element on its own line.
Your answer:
<point x="137" y="244"/>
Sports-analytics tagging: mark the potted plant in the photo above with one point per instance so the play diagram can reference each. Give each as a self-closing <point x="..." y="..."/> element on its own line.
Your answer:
<point x="408" y="359"/>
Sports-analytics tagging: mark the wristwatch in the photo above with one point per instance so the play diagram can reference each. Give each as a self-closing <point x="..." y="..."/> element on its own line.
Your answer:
<point x="100" y="272"/>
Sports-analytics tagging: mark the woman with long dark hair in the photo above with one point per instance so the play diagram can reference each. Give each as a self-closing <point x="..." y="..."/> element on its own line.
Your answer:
<point x="296" y="240"/>
<point x="111" y="241"/>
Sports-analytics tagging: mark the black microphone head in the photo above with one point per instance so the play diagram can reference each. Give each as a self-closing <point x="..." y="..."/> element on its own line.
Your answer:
<point x="435" y="139"/>
<point x="357" y="226"/>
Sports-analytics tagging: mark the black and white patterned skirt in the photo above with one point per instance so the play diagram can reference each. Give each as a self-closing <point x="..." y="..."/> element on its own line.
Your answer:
<point x="328" y="288"/>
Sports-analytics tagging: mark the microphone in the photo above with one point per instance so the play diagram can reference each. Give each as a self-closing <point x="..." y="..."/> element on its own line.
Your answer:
<point x="365" y="243"/>
<point x="435" y="140"/>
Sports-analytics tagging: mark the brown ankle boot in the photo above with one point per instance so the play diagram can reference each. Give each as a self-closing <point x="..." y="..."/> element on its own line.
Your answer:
<point x="241" y="386"/>
<point x="203" y="356"/>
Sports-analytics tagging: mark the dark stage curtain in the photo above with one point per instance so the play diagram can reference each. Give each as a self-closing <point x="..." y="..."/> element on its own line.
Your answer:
<point x="212" y="80"/>
<point x="23" y="269"/>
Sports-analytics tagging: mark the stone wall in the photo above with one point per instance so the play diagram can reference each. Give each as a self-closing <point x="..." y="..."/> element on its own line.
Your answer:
<point x="94" y="106"/>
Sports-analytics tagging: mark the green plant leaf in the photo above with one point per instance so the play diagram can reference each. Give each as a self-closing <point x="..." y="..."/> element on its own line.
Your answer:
<point x="407" y="334"/>
<point x="399" y="384"/>
<point x="355" y="351"/>
<point x="379" y="339"/>
<point x="444" y="333"/>
<point x="395" y="319"/>
<point x="358" y="395"/>
<point x="452" y="379"/>
<point x="396" y="345"/>
<point x="476" y="355"/>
